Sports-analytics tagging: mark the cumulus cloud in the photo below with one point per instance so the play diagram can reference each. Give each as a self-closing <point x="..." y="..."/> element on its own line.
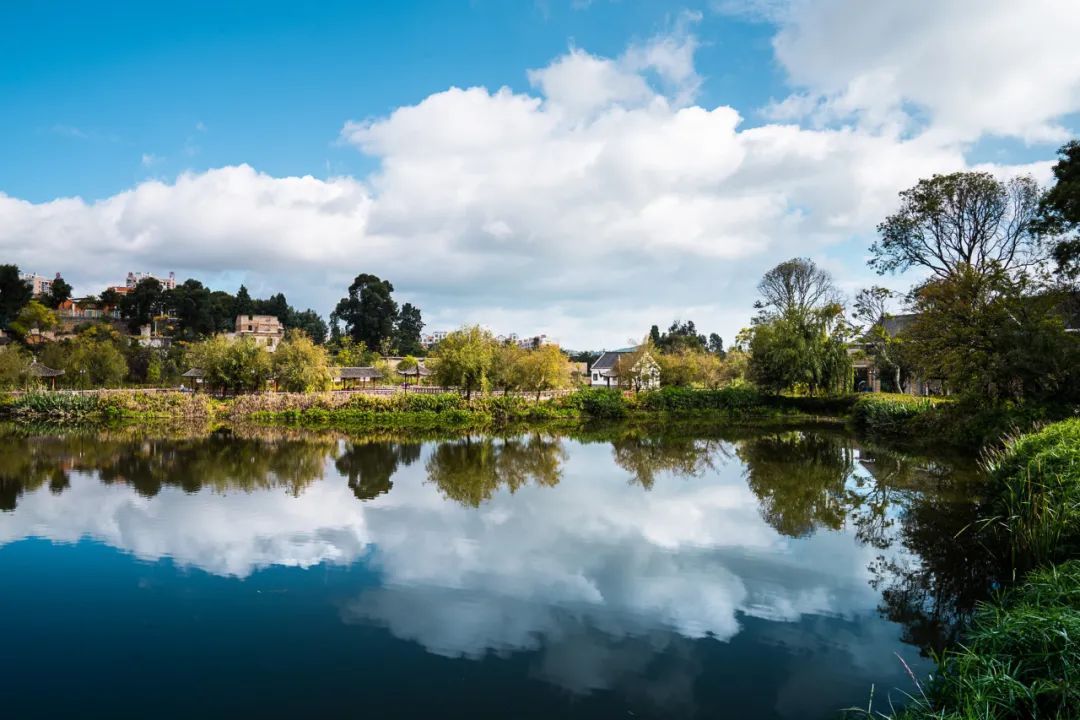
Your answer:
<point x="608" y="197"/>
<point x="973" y="67"/>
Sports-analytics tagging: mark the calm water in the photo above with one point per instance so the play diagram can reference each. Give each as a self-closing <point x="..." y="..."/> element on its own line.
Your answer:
<point x="236" y="574"/>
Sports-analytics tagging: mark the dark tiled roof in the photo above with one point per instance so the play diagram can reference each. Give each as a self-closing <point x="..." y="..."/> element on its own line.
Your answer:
<point x="418" y="371"/>
<point x="193" y="373"/>
<point x="358" y="373"/>
<point x="608" y="360"/>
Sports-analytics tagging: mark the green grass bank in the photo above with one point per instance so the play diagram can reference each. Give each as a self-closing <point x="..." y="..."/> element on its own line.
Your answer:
<point x="1020" y="658"/>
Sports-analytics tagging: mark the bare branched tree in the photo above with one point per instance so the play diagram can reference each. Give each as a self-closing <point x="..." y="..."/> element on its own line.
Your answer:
<point x="797" y="285"/>
<point x="964" y="219"/>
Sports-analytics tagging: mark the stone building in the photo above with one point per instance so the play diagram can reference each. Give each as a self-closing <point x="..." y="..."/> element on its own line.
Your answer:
<point x="266" y="330"/>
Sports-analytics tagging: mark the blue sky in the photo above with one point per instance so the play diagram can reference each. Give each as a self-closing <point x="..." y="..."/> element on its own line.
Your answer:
<point x="679" y="147"/>
<point x="100" y="99"/>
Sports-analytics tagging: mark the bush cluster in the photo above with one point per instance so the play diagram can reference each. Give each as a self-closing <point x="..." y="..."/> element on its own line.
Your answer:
<point x="887" y="413"/>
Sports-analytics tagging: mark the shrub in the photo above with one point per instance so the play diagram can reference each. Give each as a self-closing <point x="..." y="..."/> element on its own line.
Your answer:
<point x="1037" y="500"/>
<point x="888" y="414"/>
<point x="599" y="403"/>
<point x="1021" y="656"/>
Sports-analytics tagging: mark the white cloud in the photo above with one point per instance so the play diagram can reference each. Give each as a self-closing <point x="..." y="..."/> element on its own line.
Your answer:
<point x="972" y="67"/>
<point x="525" y="570"/>
<point x="609" y="197"/>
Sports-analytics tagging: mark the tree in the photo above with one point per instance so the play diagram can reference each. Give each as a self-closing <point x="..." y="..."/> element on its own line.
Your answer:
<point x="33" y="316"/>
<point x="93" y="360"/>
<point x="463" y="359"/>
<point x="238" y="365"/>
<point x="545" y="369"/>
<point x="276" y="306"/>
<point x="716" y="345"/>
<point x="964" y="219"/>
<point x="369" y="312"/>
<point x="349" y="353"/>
<point x="991" y="337"/>
<point x="192" y="305"/>
<point x="300" y="365"/>
<point x="140" y="305"/>
<point x="654" y="335"/>
<point x="507" y="367"/>
<point x="1059" y="210"/>
<point x="871" y="307"/>
<point x="802" y="349"/>
<point x="309" y="323"/>
<point x="407" y="331"/>
<point x="110" y="299"/>
<point x="242" y="304"/>
<point x="59" y="292"/>
<point x="795" y="286"/>
<point x="15" y="293"/>
<point x="680" y="337"/>
<point x="14" y="367"/>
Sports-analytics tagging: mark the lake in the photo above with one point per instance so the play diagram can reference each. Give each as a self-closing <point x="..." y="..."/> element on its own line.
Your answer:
<point x="694" y="573"/>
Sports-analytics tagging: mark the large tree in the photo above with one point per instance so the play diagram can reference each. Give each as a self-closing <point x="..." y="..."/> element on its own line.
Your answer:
<point x="795" y="286"/>
<point x="140" y="305"/>
<point x="962" y="220"/>
<point x="1059" y="210"/>
<point x="407" y="332"/>
<point x="300" y="365"/>
<point x="872" y="310"/>
<point x="463" y="359"/>
<point x="14" y="294"/>
<point x="369" y="311"/>
<point x="193" y="307"/>
<point x="59" y="292"/>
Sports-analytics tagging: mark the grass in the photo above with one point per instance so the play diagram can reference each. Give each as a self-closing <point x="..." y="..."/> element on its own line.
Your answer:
<point x="1021" y="655"/>
<point x="1021" y="659"/>
<point x="1037" y="494"/>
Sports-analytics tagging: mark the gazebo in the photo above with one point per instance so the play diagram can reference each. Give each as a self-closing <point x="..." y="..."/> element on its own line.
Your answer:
<point x="416" y="372"/>
<point x="196" y="376"/>
<point x="44" y="372"/>
<point x="363" y="375"/>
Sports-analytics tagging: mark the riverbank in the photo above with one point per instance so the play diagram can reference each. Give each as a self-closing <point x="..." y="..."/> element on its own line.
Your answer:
<point x="914" y="422"/>
<point x="403" y="411"/>
<point x="1019" y="657"/>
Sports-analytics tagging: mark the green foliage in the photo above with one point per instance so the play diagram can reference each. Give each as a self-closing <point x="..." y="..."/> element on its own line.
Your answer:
<point x="299" y="365"/>
<point x="14" y="367"/>
<point x="94" y="361"/>
<point x="802" y="348"/>
<point x="59" y="292"/>
<point x="1020" y="658"/>
<point x="994" y="337"/>
<point x="463" y="359"/>
<point x="1059" y="209"/>
<point x="963" y="220"/>
<point x="15" y="293"/>
<point x="33" y="316"/>
<point x="598" y="403"/>
<point x="888" y="414"/>
<point x="238" y="365"/>
<point x="407" y="330"/>
<point x="146" y="300"/>
<point x="369" y="311"/>
<point x="1038" y="497"/>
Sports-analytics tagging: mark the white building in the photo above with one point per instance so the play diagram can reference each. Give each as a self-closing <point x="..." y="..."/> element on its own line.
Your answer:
<point x="134" y="278"/>
<point x="40" y="284"/>
<point x="644" y="375"/>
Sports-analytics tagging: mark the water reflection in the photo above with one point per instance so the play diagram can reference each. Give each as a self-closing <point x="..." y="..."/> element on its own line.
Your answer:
<point x="610" y="556"/>
<point x="471" y="470"/>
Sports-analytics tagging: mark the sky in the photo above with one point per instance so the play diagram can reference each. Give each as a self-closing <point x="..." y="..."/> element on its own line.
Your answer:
<point x="579" y="168"/>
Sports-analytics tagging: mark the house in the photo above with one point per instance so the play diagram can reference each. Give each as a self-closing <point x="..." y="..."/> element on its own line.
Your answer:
<point x="868" y="375"/>
<point x="43" y="372"/>
<point x="643" y="375"/>
<point x="134" y="278"/>
<point x="266" y="330"/>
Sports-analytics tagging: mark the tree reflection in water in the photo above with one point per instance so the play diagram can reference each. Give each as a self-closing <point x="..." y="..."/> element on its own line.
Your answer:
<point x="920" y="513"/>
<point x="472" y="469"/>
<point x="800" y="479"/>
<point x="645" y="456"/>
<point x="370" y="465"/>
